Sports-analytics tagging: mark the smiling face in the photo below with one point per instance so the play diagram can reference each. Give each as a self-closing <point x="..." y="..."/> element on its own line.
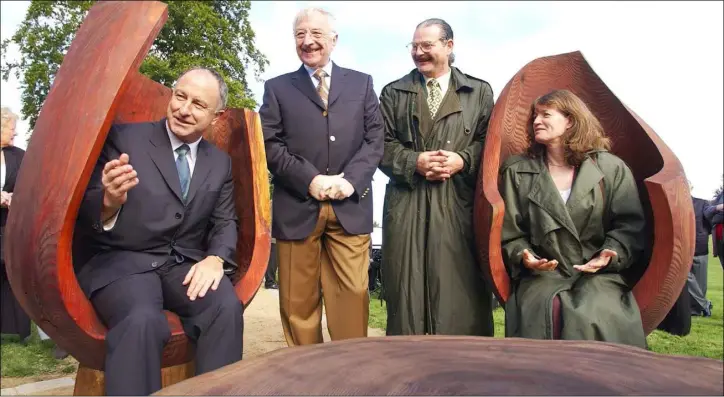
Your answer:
<point x="431" y="54"/>
<point x="549" y="125"/>
<point x="315" y="39"/>
<point x="193" y="106"/>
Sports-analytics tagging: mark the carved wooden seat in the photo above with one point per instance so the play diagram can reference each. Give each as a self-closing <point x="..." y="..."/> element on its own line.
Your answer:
<point x="99" y="84"/>
<point x="660" y="177"/>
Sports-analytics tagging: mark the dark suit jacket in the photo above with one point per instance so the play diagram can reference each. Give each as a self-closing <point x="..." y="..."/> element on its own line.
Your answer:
<point x="13" y="159"/>
<point x="303" y="140"/>
<point x="154" y="223"/>
<point x="703" y="229"/>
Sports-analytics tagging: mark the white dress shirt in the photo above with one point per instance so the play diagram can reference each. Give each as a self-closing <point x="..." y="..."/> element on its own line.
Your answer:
<point x="175" y="144"/>
<point x="327" y="68"/>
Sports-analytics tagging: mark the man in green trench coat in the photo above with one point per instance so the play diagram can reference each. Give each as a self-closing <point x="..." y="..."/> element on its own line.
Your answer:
<point x="436" y="120"/>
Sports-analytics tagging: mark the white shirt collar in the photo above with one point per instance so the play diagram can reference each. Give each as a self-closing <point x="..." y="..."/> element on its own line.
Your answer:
<point x="175" y="143"/>
<point x="327" y="68"/>
<point x="444" y="81"/>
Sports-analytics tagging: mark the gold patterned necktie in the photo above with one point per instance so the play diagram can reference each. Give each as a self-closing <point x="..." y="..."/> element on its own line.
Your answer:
<point x="434" y="96"/>
<point x="322" y="88"/>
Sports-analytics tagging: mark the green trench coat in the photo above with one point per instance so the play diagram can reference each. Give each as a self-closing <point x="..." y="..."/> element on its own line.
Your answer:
<point x="598" y="306"/>
<point x="431" y="279"/>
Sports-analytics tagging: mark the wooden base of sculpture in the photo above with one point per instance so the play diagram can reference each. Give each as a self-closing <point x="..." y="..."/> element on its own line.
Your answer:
<point x="92" y="382"/>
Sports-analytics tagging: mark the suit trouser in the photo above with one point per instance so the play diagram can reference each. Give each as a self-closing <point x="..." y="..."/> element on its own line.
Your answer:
<point x="696" y="283"/>
<point x="335" y="261"/>
<point x="132" y="308"/>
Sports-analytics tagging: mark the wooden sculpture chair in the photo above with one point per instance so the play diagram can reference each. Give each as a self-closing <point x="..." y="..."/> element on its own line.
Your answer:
<point x="660" y="177"/>
<point x="98" y="84"/>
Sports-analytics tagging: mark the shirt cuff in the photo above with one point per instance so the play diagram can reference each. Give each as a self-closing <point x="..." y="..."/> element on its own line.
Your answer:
<point x="110" y="223"/>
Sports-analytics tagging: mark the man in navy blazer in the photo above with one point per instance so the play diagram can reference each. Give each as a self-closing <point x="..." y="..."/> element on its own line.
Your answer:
<point x="161" y="232"/>
<point x="323" y="134"/>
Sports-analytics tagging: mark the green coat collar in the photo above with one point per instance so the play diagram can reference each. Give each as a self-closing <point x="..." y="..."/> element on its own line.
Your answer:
<point x="412" y="81"/>
<point x="545" y="195"/>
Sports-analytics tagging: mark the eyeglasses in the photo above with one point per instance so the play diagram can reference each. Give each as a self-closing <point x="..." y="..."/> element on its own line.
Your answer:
<point x="426" y="46"/>
<point x="302" y="34"/>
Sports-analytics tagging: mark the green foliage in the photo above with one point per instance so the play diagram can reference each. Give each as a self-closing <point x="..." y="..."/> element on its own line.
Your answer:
<point x="214" y="34"/>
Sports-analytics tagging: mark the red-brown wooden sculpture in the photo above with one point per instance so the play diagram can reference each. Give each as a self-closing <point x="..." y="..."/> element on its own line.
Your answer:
<point x="660" y="177"/>
<point x="98" y="84"/>
<point x="436" y="365"/>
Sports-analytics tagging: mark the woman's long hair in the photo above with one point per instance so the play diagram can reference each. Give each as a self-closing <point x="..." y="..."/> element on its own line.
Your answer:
<point x="585" y="134"/>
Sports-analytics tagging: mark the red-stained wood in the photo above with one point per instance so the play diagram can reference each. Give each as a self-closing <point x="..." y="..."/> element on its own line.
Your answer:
<point x="659" y="175"/>
<point x="458" y="366"/>
<point x="99" y="84"/>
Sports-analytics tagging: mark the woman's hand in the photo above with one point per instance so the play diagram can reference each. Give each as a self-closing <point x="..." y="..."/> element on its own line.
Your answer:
<point x="6" y="199"/>
<point x="597" y="263"/>
<point x="530" y="262"/>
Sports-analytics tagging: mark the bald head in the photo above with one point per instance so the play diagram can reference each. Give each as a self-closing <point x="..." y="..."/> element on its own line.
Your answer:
<point x="199" y="98"/>
<point x="209" y="77"/>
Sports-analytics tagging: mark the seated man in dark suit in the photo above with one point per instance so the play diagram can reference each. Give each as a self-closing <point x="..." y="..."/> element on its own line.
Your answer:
<point x="159" y="211"/>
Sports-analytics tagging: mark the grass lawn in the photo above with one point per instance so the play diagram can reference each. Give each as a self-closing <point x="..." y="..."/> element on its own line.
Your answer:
<point x="33" y="358"/>
<point x="706" y="338"/>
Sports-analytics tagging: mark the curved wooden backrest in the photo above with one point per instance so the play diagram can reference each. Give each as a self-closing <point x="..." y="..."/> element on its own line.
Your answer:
<point x="660" y="177"/>
<point x="98" y="84"/>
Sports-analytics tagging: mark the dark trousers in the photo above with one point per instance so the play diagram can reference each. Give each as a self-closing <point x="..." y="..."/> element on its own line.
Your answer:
<point x="132" y="308"/>
<point x="678" y="320"/>
<point x="13" y="319"/>
<point x="270" y="277"/>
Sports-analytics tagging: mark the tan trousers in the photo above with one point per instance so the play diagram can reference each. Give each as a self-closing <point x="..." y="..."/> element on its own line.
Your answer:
<point x="338" y="263"/>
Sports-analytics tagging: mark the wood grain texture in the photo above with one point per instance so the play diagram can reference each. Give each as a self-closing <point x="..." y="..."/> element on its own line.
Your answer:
<point x="442" y="365"/>
<point x="661" y="181"/>
<point x="92" y="382"/>
<point x="100" y="77"/>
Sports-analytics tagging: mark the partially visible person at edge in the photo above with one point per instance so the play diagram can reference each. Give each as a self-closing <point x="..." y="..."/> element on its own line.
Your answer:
<point x="696" y="283"/>
<point x="573" y="221"/>
<point x="14" y="319"/>
<point x="714" y="214"/>
<point x="436" y="119"/>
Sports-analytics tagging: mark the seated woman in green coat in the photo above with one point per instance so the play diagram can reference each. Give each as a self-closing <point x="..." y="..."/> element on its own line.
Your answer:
<point x="573" y="221"/>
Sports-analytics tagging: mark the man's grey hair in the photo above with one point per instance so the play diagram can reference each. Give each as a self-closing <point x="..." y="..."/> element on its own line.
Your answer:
<point x="305" y="13"/>
<point x="447" y="32"/>
<point x="223" y="88"/>
<point x="7" y="116"/>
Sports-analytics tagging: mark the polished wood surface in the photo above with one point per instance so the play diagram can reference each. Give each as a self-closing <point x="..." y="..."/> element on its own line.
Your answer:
<point x="660" y="177"/>
<point x="99" y="84"/>
<point x="446" y="365"/>
<point x="92" y="382"/>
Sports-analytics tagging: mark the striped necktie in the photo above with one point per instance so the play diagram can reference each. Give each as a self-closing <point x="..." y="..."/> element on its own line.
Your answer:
<point x="322" y="88"/>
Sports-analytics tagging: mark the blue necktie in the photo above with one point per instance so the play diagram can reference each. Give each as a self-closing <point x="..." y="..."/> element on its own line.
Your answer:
<point x="184" y="171"/>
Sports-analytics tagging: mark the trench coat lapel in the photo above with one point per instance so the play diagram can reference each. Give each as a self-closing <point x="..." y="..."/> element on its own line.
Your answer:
<point x="587" y="179"/>
<point x="545" y="195"/>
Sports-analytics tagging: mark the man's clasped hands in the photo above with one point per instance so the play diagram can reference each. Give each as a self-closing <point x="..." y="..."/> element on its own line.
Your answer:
<point x="330" y="187"/>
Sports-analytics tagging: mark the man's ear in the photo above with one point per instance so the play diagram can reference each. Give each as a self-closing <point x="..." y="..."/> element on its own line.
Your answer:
<point x="218" y="114"/>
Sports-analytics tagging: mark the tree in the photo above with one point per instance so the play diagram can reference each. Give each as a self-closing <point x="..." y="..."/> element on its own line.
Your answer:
<point x="215" y="34"/>
<point x="375" y="224"/>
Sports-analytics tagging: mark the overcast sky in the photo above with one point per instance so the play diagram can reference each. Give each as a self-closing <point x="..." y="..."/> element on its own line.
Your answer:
<point x="662" y="59"/>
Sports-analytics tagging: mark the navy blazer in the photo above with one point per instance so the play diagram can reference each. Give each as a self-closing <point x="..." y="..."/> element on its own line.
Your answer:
<point x="154" y="223"/>
<point x="303" y="140"/>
